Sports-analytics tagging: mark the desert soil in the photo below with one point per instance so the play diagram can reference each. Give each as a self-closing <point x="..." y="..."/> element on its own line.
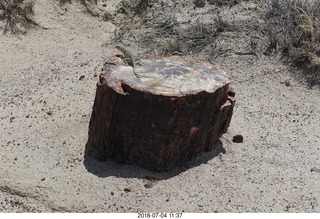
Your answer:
<point x="47" y="85"/>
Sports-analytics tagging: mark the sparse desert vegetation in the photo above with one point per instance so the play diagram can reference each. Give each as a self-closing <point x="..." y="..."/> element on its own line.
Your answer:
<point x="291" y="27"/>
<point x="48" y="80"/>
<point x="16" y="15"/>
<point x="294" y="30"/>
<point x="288" y="27"/>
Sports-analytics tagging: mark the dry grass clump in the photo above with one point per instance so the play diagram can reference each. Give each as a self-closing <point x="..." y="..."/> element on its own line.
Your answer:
<point x="225" y="2"/>
<point x="165" y="31"/>
<point x="16" y="14"/>
<point x="157" y="26"/>
<point x="294" y="29"/>
<point x="164" y="35"/>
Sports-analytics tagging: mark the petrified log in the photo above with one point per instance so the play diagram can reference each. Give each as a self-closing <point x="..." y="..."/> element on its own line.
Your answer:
<point x="178" y="108"/>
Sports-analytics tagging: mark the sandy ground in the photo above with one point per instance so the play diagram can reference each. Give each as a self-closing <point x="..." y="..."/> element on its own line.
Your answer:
<point x="47" y="85"/>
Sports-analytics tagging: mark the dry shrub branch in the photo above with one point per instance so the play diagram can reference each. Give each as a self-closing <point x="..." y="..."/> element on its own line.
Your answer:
<point x="17" y="15"/>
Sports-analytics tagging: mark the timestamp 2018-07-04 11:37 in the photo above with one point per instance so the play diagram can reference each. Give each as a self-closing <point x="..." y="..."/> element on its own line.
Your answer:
<point x="159" y="215"/>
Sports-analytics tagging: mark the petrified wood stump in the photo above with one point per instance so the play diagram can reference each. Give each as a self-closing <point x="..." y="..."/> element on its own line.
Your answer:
<point x="176" y="109"/>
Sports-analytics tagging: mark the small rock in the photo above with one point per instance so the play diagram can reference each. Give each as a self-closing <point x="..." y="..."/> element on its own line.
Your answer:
<point x="314" y="169"/>
<point x="81" y="77"/>
<point x="12" y="118"/>
<point x="149" y="181"/>
<point x="127" y="189"/>
<point x="287" y="82"/>
<point x="237" y="139"/>
<point x="148" y="185"/>
<point x="84" y="63"/>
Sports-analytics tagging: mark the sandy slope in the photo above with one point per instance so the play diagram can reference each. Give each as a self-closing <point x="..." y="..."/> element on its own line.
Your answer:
<point x="45" y="112"/>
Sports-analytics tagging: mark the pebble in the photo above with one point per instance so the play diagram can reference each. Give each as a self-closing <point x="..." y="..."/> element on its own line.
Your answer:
<point x="237" y="139"/>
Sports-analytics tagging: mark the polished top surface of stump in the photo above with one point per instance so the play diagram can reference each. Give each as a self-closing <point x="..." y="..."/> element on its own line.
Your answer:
<point x="168" y="76"/>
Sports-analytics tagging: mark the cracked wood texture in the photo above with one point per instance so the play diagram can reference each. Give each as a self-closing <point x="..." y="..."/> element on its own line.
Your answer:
<point x="177" y="109"/>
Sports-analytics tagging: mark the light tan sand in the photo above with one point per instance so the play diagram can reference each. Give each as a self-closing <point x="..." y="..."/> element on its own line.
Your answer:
<point x="45" y="111"/>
